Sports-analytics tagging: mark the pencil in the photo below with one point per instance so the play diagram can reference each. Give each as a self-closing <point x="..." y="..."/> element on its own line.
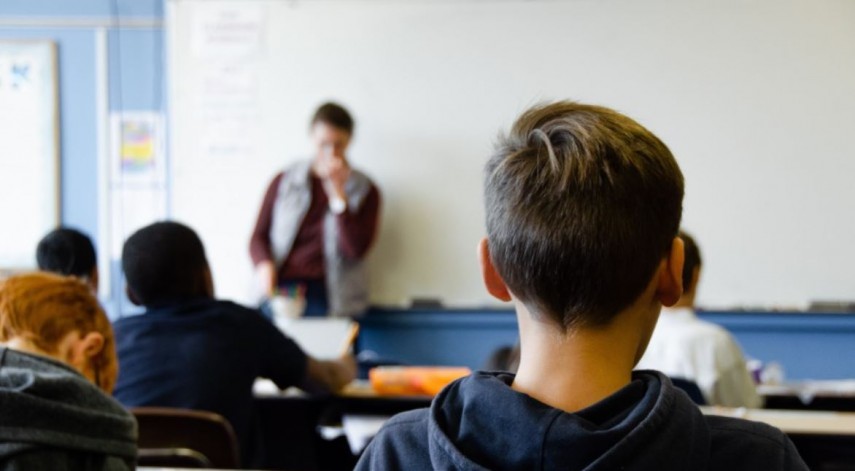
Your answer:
<point x="351" y="337"/>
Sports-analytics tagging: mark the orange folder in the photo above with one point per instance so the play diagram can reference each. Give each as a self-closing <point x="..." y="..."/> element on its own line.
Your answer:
<point x="413" y="380"/>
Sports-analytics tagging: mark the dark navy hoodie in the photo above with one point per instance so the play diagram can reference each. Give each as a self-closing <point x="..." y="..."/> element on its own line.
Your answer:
<point x="480" y="423"/>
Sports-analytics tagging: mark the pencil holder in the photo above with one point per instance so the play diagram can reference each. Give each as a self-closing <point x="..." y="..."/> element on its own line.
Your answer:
<point x="286" y="308"/>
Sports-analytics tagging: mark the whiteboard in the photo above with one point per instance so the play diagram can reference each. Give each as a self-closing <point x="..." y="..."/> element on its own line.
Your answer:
<point x="29" y="149"/>
<point x="755" y="99"/>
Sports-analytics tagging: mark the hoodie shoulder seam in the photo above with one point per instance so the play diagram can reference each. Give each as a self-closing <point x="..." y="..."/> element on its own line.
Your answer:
<point x="555" y="415"/>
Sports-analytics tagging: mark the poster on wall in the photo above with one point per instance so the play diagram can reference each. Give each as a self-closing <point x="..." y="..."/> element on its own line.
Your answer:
<point x="138" y="156"/>
<point x="29" y="148"/>
<point x="138" y="185"/>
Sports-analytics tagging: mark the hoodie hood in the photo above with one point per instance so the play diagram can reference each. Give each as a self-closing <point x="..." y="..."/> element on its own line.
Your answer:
<point x="481" y="423"/>
<point x="46" y="403"/>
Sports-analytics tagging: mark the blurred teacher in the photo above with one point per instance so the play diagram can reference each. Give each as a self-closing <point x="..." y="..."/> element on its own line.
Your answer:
<point x="317" y="222"/>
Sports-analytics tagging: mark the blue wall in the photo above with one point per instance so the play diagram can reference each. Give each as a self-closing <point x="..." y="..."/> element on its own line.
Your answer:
<point x="808" y="345"/>
<point x="73" y="25"/>
<point x="448" y="337"/>
<point x="136" y="78"/>
<point x="82" y="8"/>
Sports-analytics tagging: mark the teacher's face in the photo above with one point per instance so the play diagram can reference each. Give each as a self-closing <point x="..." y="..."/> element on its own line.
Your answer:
<point x="330" y="142"/>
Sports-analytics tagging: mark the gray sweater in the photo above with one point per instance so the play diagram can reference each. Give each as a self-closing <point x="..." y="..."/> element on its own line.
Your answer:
<point x="53" y="418"/>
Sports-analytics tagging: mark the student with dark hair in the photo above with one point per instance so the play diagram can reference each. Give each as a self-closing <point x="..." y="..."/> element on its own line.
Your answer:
<point x="69" y="252"/>
<point x="189" y="350"/>
<point x="684" y="346"/>
<point x="583" y="206"/>
<point x="317" y="222"/>
<point x="57" y="369"/>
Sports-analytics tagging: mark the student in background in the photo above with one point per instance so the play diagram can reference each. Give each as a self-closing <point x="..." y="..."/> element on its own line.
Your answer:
<point x="191" y="351"/>
<point x="69" y="252"/>
<point x="317" y="222"/>
<point x="57" y="368"/>
<point x="684" y="346"/>
<point x="583" y="208"/>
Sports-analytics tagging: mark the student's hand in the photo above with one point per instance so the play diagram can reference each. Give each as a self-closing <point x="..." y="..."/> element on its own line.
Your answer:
<point x="332" y="375"/>
<point x="266" y="273"/>
<point x="349" y="367"/>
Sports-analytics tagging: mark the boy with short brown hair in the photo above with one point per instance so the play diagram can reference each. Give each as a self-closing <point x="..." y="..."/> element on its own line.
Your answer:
<point x="583" y="209"/>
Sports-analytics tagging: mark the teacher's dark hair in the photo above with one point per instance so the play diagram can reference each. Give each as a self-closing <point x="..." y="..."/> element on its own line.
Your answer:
<point x="582" y="205"/>
<point x="67" y="252"/>
<point x="334" y="115"/>
<point x="164" y="262"/>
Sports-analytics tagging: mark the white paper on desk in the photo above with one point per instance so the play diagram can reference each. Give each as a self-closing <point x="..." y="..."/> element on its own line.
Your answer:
<point x="320" y="337"/>
<point x="360" y="429"/>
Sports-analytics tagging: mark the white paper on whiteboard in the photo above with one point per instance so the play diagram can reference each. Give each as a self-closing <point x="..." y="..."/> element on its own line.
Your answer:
<point x="230" y="30"/>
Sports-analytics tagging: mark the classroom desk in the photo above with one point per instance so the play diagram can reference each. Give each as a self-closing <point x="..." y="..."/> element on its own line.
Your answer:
<point x="298" y="431"/>
<point x="838" y="395"/>
<point x="793" y="422"/>
<point x="293" y="425"/>
<point x="825" y="440"/>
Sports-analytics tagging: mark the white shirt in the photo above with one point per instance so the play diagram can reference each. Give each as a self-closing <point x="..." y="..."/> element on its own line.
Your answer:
<point x="684" y="346"/>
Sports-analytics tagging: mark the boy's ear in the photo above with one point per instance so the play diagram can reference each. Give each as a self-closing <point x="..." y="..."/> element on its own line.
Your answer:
<point x="492" y="280"/>
<point x="91" y="344"/>
<point x="670" y="287"/>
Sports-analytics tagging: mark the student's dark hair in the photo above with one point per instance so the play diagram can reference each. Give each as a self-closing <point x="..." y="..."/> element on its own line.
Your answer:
<point x="335" y="115"/>
<point x="164" y="262"/>
<point x="67" y="252"/>
<point x="582" y="204"/>
<point x="692" y="260"/>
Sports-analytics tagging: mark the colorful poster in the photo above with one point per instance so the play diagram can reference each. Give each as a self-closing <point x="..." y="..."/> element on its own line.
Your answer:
<point x="138" y="148"/>
<point x="137" y="189"/>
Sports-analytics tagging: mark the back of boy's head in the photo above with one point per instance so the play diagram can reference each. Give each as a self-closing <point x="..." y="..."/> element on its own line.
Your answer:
<point x="691" y="261"/>
<point x="582" y="205"/>
<point x="66" y="252"/>
<point x="164" y="262"/>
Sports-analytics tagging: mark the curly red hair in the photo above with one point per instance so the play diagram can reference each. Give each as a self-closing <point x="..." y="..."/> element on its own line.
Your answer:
<point x="44" y="308"/>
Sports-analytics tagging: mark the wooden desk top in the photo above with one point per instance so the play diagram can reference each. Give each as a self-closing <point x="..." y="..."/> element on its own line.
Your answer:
<point x="794" y="422"/>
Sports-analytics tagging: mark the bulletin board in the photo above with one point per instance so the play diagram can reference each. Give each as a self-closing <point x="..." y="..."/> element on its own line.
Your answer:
<point x="29" y="149"/>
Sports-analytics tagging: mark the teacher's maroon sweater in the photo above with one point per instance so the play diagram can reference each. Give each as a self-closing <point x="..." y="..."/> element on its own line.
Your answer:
<point x="306" y="259"/>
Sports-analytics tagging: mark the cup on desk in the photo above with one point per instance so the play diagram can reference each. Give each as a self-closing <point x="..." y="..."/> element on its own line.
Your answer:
<point x="287" y="308"/>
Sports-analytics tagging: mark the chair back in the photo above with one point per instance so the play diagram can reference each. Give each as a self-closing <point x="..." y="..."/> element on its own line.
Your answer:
<point x="185" y="438"/>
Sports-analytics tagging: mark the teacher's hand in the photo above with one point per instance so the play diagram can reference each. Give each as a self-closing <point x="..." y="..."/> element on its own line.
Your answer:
<point x="337" y="174"/>
<point x="266" y="273"/>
